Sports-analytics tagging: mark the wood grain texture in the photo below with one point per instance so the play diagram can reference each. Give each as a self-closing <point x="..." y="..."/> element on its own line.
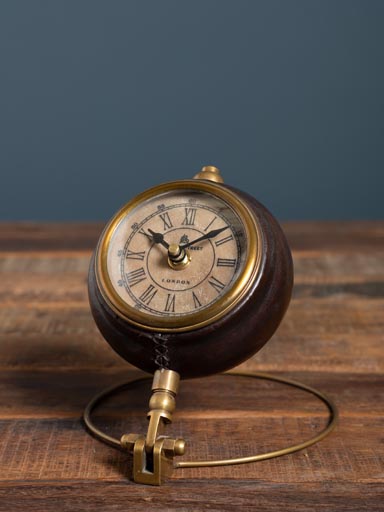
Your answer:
<point x="53" y="359"/>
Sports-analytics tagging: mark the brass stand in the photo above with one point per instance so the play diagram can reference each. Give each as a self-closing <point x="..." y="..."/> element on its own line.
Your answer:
<point x="153" y="455"/>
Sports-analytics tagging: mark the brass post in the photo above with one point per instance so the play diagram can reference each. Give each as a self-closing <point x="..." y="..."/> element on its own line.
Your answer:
<point x="162" y="404"/>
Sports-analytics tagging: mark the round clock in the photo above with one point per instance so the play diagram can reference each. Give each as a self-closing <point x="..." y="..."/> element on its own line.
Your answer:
<point x="192" y="276"/>
<point x="188" y="279"/>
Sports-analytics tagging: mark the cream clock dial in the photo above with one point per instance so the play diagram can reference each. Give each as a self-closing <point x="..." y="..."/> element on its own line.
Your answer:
<point x="178" y="254"/>
<point x="138" y="263"/>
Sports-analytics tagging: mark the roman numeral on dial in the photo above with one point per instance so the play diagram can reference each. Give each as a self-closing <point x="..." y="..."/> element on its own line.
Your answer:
<point x="210" y="224"/>
<point x="190" y="215"/>
<point x="223" y="240"/>
<point x="142" y="232"/>
<point x="148" y="295"/>
<point x="166" y="220"/>
<point x="170" y="304"/>
<point x="225" y="262"/>
<point x="136" y="276"/>
<point x="196" y="301"/>
<point x="216" y="284"/>
<point x="132" y="255"/>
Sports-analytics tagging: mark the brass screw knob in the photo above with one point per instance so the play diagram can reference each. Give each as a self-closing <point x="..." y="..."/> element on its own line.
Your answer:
<point x="174" y="446"/>
<point x="179" y="447"/>
<point x="209" y="172"/>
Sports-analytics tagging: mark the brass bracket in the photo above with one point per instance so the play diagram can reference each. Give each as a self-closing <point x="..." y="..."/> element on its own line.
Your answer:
<point x="152" y="465"/>
<point x="153" y="454"/>
<point x="155" y="467"/>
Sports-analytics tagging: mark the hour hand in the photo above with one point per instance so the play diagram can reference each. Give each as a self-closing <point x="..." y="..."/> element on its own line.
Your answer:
<point x="210" y="234"/>
<point x="158" y="238"/>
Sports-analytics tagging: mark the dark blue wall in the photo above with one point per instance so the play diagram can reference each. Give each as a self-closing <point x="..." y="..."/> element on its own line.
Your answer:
<point x="99" y="100"/>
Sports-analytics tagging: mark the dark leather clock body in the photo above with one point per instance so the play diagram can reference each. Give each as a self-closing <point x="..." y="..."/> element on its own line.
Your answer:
<point x="226" y="342"/>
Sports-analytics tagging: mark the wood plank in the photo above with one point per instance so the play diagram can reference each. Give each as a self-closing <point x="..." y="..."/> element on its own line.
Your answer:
<point x="189" y="495"/>
<point x="27" y="396"/>
<point x="330" y="275"/>
<point x="60" y="449"/>
<point x="313" y="235"/>
<point x="363" y="236"/>
<point x="316" y="335"/>
<point x="310" y="266"/>
<point x="55" y="236"/>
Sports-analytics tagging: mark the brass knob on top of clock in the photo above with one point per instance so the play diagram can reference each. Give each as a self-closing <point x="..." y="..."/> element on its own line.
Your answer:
<point x="209" y="172"/>
<point x="192" y="276"/>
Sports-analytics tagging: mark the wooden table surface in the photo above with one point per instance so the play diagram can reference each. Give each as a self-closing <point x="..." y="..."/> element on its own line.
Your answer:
<point x="53" y="360"/>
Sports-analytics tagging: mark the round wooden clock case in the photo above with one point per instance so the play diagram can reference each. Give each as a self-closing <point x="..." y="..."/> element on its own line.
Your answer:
<point x="227" y="341"/>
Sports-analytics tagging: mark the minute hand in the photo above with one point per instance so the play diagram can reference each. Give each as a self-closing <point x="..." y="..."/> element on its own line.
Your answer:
<point x="211" y="234"/>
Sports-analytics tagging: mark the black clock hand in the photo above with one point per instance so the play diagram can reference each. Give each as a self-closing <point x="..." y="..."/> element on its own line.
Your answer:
<point x="210" y="234"/>
<point x="146" y="234"/>
<point x="158" y="238"/>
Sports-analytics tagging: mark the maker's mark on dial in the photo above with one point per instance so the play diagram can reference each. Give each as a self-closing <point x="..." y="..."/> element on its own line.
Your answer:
<point x="184" y="239"/>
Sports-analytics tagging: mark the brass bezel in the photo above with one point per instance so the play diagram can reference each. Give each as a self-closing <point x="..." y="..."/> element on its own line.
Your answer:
<point x="212" y="313"/>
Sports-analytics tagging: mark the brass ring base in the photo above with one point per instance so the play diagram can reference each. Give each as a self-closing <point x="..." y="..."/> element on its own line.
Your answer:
<point x="333" y="416"/>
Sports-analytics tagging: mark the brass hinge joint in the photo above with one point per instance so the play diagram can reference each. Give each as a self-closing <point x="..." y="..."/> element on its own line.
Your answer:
<point x="153" y="454"/>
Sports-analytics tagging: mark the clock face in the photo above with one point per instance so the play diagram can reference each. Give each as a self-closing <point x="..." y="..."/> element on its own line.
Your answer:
<point x="204" y="227"/>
